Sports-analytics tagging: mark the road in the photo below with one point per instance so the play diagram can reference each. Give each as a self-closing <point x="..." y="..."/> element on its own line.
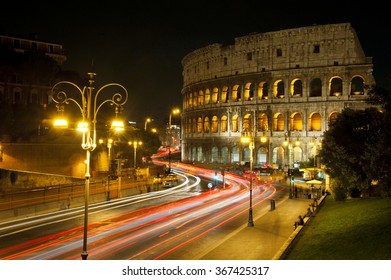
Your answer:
<point x="183" y="222"/>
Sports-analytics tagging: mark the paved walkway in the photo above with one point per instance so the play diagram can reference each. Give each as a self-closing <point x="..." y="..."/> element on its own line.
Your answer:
<point x="270" y="233"/>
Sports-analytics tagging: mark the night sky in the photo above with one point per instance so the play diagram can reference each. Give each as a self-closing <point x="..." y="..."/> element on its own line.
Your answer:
<point x="140" y="44"/>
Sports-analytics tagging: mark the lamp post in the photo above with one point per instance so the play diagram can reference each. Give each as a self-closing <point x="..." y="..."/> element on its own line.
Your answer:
<point x="89" y="106"/>
<point x="174" y="111"/>
<point x="148" y="120"/>
<point x="109" y="145"/>
<point x="135" y="145"/>
<point x="247" y="139"/>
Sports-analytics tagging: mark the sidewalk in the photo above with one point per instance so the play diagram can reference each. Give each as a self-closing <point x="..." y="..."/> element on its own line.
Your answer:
<point x="270" y="233"/>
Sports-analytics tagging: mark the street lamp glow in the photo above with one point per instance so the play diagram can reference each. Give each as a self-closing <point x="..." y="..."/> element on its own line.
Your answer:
<point x="118" y="125"/>
<point x="135" y="144"/>
<point x="60" y="123"/>
<point x="87" y="102"/>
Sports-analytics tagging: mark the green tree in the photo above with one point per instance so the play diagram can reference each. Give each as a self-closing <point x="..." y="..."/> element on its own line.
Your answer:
<point x="350" y="149"/>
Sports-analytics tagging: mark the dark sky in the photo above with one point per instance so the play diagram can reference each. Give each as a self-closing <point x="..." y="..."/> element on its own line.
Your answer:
<point x="140" y="44"/>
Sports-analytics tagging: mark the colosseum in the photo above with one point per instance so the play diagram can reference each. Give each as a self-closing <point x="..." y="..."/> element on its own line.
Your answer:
<point x="279" y="89"/>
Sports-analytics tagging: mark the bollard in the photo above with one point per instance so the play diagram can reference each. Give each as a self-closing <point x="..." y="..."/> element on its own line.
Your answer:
<point x="272" y="204"/>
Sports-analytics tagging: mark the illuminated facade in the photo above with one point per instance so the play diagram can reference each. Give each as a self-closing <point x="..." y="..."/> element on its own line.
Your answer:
<point x="286" y="85"/>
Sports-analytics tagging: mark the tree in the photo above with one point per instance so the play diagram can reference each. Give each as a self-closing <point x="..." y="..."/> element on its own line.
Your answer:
<point x="351" y="149"/>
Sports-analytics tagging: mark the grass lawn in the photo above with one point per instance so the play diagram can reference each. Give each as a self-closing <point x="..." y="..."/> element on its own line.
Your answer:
<point x="357" y="229"/>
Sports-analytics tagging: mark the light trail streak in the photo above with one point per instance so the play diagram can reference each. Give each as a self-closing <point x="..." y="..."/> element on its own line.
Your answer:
<point x="165" y="221"/>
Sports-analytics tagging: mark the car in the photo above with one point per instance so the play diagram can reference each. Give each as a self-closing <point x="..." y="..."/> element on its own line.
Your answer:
<point x="171" y="177"/>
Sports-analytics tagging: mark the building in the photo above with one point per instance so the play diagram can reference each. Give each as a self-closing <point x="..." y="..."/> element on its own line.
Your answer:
<point x="281" y="88"/>
<point x="20" y="85"/>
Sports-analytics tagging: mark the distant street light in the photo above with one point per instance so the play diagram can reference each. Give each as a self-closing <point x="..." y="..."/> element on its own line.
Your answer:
<point x="174" y="111"/>
<point x="135" y="144"/>
<point x="148" y="120"/>
<point x="89" y="108"/>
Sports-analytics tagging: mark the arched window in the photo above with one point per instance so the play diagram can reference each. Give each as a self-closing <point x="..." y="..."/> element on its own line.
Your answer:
<point x="236" y="92"/>
<point x="316" y="87"/>
<point x="357" y="86"/>
<point x="224" y="155"/>
<point x="234" y="155"/>
<point x="278" y="122"/>
<point x="215" y="95"/>
<point x="335" y="86"/>
<point x="224" y="124"/>
<point x="194" y="126"/>
<point x="279" y="89"/>
<point x="215" y="155"/>
<point x="297" y="88"/>
<point x="263" y="90"/>
<point x="199" y="125"/>
<point x="207" y="96"/>
<point x="235" y="123"/>
<point x="190" y="100"/>
<point x="224" y="94"/>
<point x="296" y="122"/>
<point x="248" y="94"/>
<point x="201" y="97"/>
<point x="215" y="124"/>
<point x="206" y="125"/>
<point x="315" y="122"/>
<point x="333" y="117"/>
<point x="262" y="122"/>
<point x="247" y="123"/>
<point x="195" y="99"/>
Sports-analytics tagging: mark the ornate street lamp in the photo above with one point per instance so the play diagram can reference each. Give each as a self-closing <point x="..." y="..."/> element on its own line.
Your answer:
<point x="89" y="106"/>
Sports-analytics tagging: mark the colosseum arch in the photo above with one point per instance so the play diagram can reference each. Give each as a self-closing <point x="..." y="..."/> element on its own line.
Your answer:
<point x="315" y="122"/>
<point x="194" y="126"/>
<point x="215" y="95"/>
<point x="263" y="122"/>
<point x="316" y="87"/>
<point x="215" y="155"/>
<point x="235" y="123"/>
<point x="215" y="124"/>
<point x="206" y="125"/>
<point x="248" y="94"/>
<point x="224" y="124"/>
<point x="296" y="88"/>
<point x="199" y="125"/>
<point x="224" y="155"/>
<point x="296" y="122"/>
<point x="278" y="122"/>
<point x="263" y="90"/>
<point x="332" y="118"/>
<point x="279" y="89"/>
<point x="207" y="96"/>
<point x="224" y="94"/>
<point x="236" y="93"/>
<point x="235" y="154"/>
<point x="201" y="97"/>
<point x="335" y="86"/>
<point x="195" y="99"/>
<point x="247" y="123"/>
<point x="278" y="158"/>
<point x="262" y="155"/>
<point x="357" y="85"/>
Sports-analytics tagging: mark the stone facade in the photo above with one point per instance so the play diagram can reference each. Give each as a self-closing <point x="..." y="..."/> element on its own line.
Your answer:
<point x="281" y="88"/>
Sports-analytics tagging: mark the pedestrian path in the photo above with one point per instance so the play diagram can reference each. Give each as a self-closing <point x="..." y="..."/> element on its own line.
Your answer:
<point x="263" y="241"/>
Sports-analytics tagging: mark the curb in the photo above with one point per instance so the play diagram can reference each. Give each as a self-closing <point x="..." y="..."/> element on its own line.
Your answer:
<point x="287" y="246"/>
